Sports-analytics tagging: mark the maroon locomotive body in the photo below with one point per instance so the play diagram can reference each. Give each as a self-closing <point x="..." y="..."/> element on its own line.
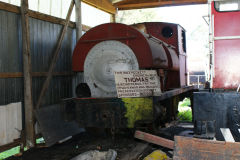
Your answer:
<point x="156" y="46"/>
<point x="113" y="47"/>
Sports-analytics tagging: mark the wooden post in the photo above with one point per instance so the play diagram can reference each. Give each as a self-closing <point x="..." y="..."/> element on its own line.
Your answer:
<point x="113" y="18"/>
<point x="78" y="11"/>
<point x="27" y="69"/>
<point x="79" y="29"/>
<point x="55" y="56"/>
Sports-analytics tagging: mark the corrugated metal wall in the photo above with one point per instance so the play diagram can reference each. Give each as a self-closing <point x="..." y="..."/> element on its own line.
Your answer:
<point x="59" y="8"/>
<point x="43" y="38"/>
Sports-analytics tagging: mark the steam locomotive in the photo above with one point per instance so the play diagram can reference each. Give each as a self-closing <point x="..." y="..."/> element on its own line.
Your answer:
<point x="113" y="47"/>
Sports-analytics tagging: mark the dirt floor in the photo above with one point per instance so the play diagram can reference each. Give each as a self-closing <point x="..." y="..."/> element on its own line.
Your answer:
<point x="123" y="144"/>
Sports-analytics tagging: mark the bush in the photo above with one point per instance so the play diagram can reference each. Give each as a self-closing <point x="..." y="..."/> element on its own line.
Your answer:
<point x="185" y="111"/>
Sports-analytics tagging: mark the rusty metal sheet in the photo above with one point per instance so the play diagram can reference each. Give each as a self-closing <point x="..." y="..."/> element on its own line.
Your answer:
<point x="186" y="148"/>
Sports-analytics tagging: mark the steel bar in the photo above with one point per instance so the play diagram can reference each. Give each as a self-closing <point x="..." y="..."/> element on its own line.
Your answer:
<point x="227" y="38"/>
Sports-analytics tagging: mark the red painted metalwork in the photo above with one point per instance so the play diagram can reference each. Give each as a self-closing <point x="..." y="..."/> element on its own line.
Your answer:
<point x="146" y="48"/>
<point x="178" y="40"/>
<point x="226" y="51"/>
<point x="113" y="31"/>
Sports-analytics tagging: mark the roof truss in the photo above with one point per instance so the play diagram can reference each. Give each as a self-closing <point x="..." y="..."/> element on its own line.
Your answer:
<point x="138" y="4"/>
<point x="105" y="5"/>
<point x="111" y="6"/>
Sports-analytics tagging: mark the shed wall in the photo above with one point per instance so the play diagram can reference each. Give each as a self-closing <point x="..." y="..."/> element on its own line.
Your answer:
<point x="43" y="38"/>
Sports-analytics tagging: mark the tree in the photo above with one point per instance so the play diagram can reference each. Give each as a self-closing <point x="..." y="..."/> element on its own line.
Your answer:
<point x="138" y="16"/>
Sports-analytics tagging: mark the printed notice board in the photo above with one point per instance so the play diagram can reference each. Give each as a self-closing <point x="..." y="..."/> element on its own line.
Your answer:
<point x="140" y="83"/>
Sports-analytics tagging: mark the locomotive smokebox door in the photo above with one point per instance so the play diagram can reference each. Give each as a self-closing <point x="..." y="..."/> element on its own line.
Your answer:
<point x="101" y="62"/>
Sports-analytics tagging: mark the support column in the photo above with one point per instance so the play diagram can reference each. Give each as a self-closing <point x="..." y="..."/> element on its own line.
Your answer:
<point x="78" y="11"/>
<point x="113" y="18"/>
<point x="77" y="78"/>
<point x="27" y="70"/>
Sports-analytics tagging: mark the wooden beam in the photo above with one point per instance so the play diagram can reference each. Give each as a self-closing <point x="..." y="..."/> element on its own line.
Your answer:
<point x="34" y="74"/>
<point x="104" y="5"/>
<point x="116" y="1"/>
<point x="199" y="149"/>
<point x="133" y="4"/>
<point x="11" y="75"/>
<point x="123" y="2"/>
<point x="55" y="57"/>
<point x="27" y="69"/>
<point x="127" y="2"/>
<point x="44" y="74"/>
<point x="78" y="13"/>
<point x="154" y="139"/>
<point x="37" y="15"/>
<point x="45" y="17"/>
<point x="9" y="7"/>
<point x="113" y="18"/>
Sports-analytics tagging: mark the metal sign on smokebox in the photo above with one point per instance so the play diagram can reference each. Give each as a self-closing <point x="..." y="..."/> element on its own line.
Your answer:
<point x="140" y="83"/>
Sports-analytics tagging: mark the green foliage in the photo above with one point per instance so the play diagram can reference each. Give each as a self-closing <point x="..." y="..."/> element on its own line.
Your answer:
<point x="16" y="150"/>
<point x="185" y="116"/>
<point x="138" y="16"/>
<point x="185" y="103"/>
<point x="185" y="111"/>
<point x="9" y="153"/>
<point x="40" y="140"/>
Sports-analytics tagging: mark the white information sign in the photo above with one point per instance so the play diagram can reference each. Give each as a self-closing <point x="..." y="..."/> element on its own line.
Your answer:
<point x="140" y="83"/>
